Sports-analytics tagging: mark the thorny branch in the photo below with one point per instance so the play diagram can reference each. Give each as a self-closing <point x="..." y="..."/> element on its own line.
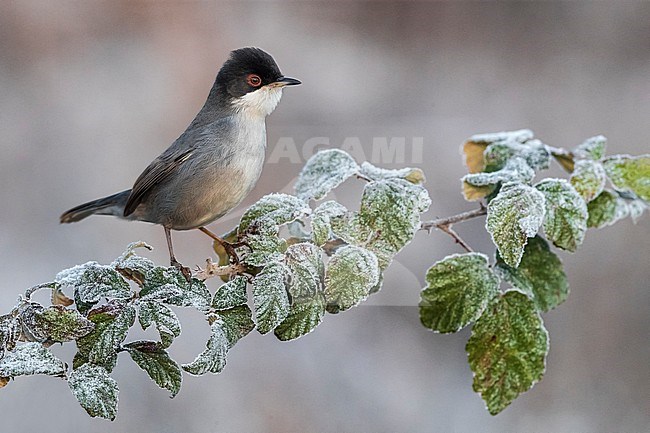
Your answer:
<point x="445" y="224"/>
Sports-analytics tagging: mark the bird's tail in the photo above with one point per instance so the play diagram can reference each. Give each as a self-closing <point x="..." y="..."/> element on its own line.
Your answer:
<point x="111" y="205"/>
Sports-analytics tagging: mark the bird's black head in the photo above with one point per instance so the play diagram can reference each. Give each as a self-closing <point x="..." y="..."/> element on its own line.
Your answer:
<point x="248" y="70"/>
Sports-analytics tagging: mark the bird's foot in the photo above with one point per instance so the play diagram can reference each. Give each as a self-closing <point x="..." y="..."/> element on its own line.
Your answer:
<point x="187" y="272"/>
<point x="231" y="250"/>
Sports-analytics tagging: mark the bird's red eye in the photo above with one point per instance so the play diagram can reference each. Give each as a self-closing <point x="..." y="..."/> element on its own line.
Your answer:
<point x="254" y="80"/>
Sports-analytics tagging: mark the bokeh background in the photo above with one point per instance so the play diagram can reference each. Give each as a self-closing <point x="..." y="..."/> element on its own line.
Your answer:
<point x="91" y="91"/>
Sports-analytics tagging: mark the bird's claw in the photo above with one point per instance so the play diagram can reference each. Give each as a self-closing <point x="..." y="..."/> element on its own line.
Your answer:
<point x="187" y="272"/>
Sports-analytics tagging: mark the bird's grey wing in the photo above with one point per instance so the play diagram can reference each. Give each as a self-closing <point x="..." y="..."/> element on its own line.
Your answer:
<point x="159" y="170"/>
<point x="173" y="158"/>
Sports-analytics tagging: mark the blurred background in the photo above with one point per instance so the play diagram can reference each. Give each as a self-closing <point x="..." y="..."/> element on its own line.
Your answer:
<point x="92" y="91"/>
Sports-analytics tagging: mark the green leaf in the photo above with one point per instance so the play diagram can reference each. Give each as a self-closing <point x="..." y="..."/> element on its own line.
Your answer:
<point x="350" y="274"/>
<point x="92" y="281"/>
<point x="588" y="178"/>
<point x="279" y="208"/>
<point x="306" y="270"/>
<point x="303" y="318"/>
<point x="171" y="286"/>
<point x="323" y="172"/>
<point x="237" y="323"/>
<point x="630" y="173"/>
<point x="540" y="275"/>
<point x="270" y="297"/>
<point x="265" y="243"/>
<point x="565" y="223"/>
<point x="108" y="342"/>
<point x="213" y="358"/>
<point x="514" y="215"/>
<point x="459" y="288"/>
<point x="533" y="152"/>
<point x="604" y="210"/>
<point x="592" y="148"/>
<point x="95" y="390"/>
<point x="155" y="361"/>
<point x="321" y="226"/>
<point x="60" y="324"/>
<point x="166" y="321"/>
<point x="132" y="266"/>
<point x="410" y="174"/>
<point x="387" y="220"/>
<point x="103" y="317"/>
<point x="30" y="358"/>
<point x="507" y="350"/>
<point x="231" y="294"/>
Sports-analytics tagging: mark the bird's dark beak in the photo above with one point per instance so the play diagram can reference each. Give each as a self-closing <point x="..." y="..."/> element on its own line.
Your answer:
<point x="287" y="81"/>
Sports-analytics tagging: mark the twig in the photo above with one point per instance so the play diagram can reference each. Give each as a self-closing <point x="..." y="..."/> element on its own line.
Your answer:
<point x="445" y="224"/>
<point x="214" y="270"/>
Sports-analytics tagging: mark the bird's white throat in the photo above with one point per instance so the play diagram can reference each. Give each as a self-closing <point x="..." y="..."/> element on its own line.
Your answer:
<point x="260" y="102"/>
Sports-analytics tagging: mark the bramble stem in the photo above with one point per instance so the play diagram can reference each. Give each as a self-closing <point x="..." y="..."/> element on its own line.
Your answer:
<point x="445" y="224"/>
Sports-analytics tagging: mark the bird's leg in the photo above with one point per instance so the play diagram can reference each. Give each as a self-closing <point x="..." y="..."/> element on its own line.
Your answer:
<point x="230" y="248"/>
<point x="187" y="273"/>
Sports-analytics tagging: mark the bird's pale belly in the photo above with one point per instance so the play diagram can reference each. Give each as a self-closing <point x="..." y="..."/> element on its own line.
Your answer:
<point x="197" y="202"/>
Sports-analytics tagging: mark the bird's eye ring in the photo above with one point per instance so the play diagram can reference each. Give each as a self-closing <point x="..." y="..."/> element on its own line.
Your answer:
<point x="253" y="80"/>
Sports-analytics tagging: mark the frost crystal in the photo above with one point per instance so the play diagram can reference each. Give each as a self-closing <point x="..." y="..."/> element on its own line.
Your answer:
<point x="321" y="227"/>
<point x="270" y="297"/>
<point x="413" y="175"/>
<point x="323" y="172"/>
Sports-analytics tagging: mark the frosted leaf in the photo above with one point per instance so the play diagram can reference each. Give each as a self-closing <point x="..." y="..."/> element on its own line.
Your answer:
<point x="231" y="294"/>
<point x="637" y="207"/>
<point x="350" y="274"/>
<point x="305" y="269"/>
<point x="459" y="288"/>
<point x="213" y="358"/>
<point x="30" y="358"/>
<point x="514" y="215"/>
<point x="102" y="317"/>
<point x="588" y="178"/>
<point x="533" y="152"/>
<point x="515" y="170"/>
<point x="270" y="297"/>
<point x="132" y="266"/>
<point x="565" y="223"/>
<point x="26" y="320"/>
<point x="630" y="173"/>
<point x="162" y="281"/>
<point x="604" y="210"/>
<point x="387" y="220"/>
<point x="593" y="148"/>
<point x="92" y="281"/>
<point x="60" y="324"/>
<point x="321" y="226"/>
<point x="95" y="390"/>
<point x="166" y="321"/>
<point x="155" y="361"/>
<point x="323" y="172"/>
<point x="9" y="333"/>
<point x="303" y="318"/>
<point x="279" y="208"/>
<point x="507" y="350"/>
<point x="237" y="323"/>
<point x="108" y="342"/>
<point x="540" y="275"/>
<point x="265" y="244"/>
<point x="475" y="146"/>
<point x="410" y="174"/>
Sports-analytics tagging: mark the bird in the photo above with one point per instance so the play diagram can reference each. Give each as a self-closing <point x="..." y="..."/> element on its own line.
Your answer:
<point x="214" y="164"/>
